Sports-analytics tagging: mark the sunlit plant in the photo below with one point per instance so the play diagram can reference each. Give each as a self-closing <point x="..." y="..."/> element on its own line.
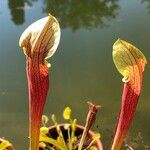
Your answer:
<point x="130" y="62"/>
<point x="39" y="42"/>
<point x="5" y="145"/>
<point x="62" y="142"/>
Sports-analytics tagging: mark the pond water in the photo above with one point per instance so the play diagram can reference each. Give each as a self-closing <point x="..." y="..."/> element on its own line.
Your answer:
<point x="82" y="68"/>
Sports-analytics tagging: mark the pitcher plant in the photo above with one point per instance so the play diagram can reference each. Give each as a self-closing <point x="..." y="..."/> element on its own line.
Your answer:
<point x="39" y="42"/>
<point x="130" y="62"/>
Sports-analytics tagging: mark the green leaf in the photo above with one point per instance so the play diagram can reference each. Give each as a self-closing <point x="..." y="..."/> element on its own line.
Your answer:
<point x="49" y="140"/>
<point x="43" y="131"/>
<point x="96" y="136"/>
<point x="4" y="144"/>
<point x="67" y="113"/>
<point x="126" y="56"/>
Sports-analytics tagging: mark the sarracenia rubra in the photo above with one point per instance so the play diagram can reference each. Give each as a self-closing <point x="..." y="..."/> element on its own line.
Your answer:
<point x="130" y="62"/>
<point x="39" y="42"/>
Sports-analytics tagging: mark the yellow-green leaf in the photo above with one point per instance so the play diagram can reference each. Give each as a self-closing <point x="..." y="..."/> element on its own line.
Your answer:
<point x="43" y="131"/>
<point x="42" y="145"/>
<point x="126" y="56"/>
<point x="96" y="136"/>
<point x="4" y="144"/>
<point x="67" y="113"/>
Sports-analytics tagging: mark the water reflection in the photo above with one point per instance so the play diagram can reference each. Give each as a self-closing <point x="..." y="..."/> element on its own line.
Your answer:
<point x="85" y="13"/>
<point x="17" y="10"/>
<point x="82" y="68"/>
<point x="72" y="14"/>
<point x="148" y="4"/>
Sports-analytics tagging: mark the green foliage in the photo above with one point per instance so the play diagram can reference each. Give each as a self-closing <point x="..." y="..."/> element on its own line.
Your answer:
<point x="67" y="113"/>
<point x="4" y="145"/>
<point x="48" y="142"/>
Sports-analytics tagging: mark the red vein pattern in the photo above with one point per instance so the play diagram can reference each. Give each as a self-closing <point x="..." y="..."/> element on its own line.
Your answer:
<point x="39" y="42"/>
<point x="131" y="65"/>
<point x="38" y="84"/>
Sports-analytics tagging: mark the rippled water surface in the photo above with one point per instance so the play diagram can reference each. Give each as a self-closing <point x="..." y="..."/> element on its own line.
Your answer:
<point x="82" y="68"/>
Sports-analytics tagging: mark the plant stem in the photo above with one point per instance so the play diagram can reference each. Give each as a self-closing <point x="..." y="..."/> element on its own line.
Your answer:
<point x="89" y="121"/>
<point x="38" y="84"/>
